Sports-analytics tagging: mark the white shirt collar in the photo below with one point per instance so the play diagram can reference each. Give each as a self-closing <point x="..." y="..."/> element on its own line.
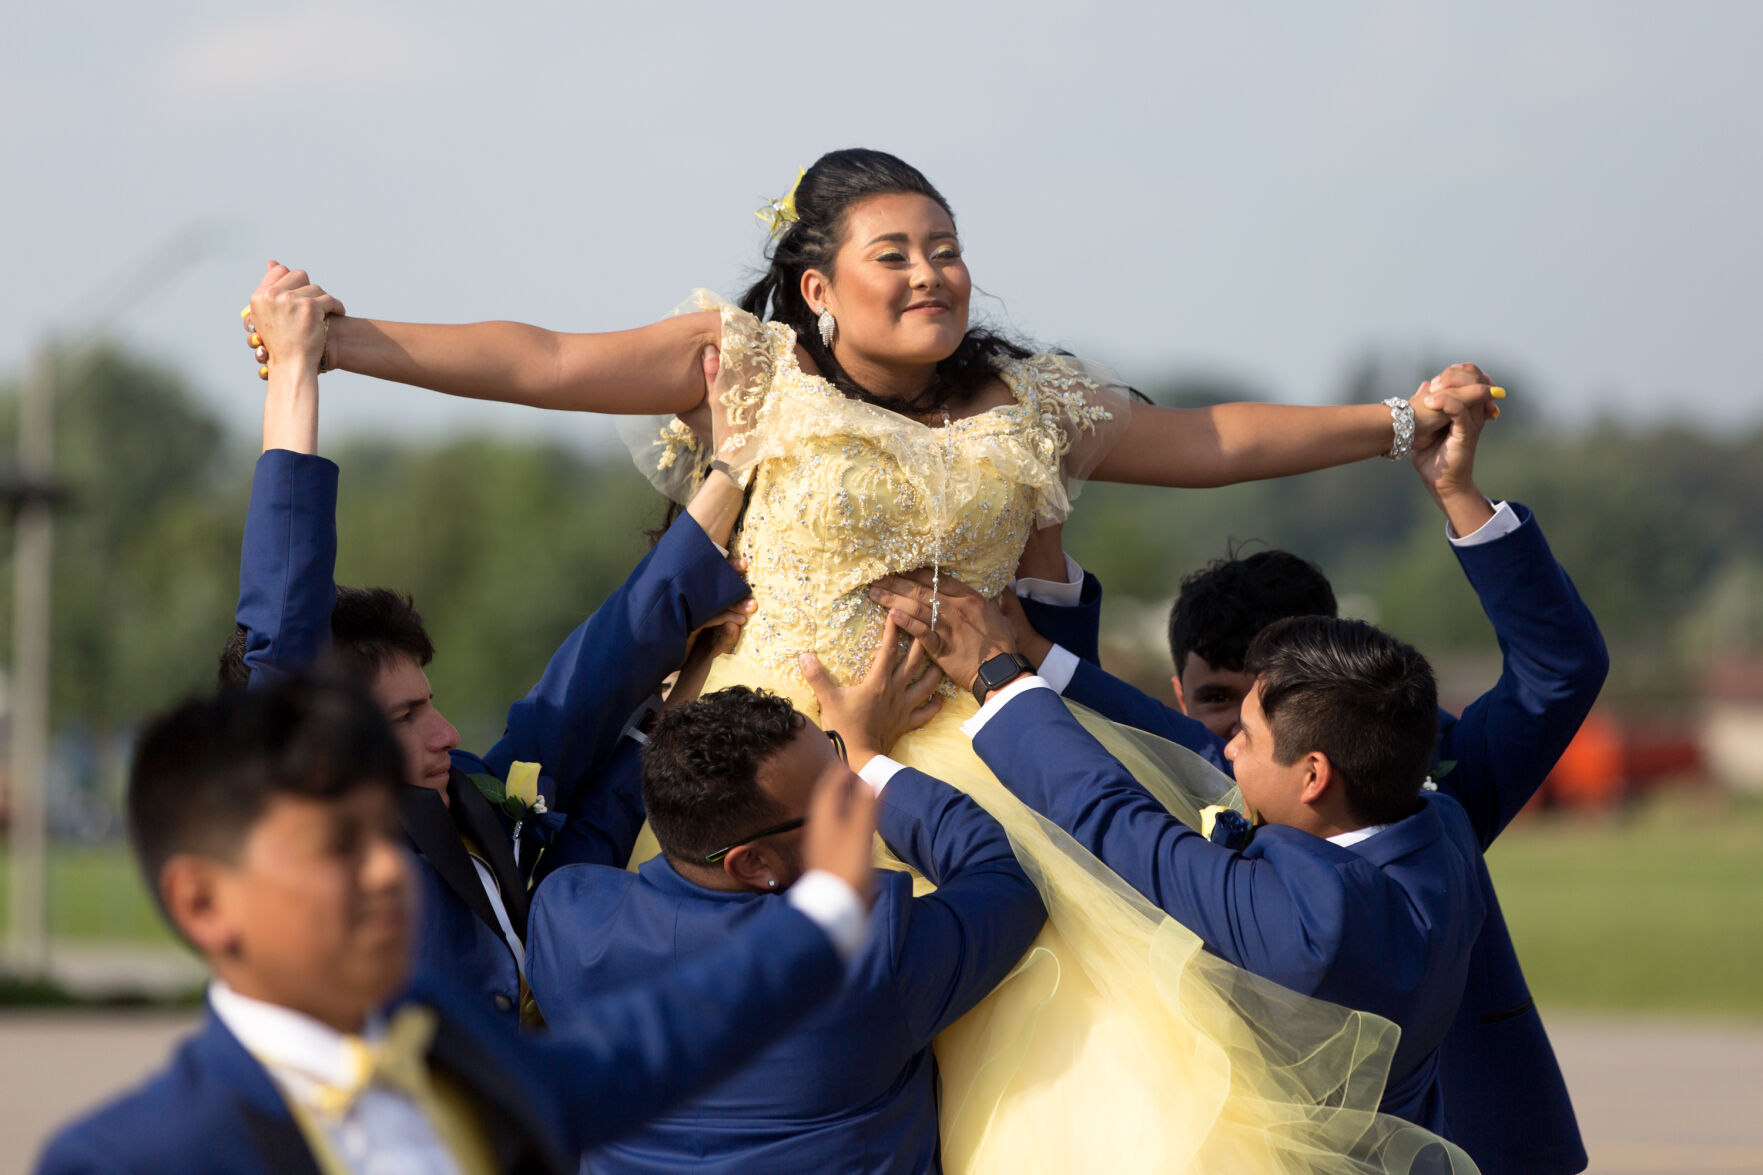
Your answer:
<point x="1348" y="839"/>
<point x="292" y="1045"/>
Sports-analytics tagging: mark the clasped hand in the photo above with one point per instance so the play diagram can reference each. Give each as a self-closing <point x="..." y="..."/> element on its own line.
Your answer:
<point x="968" y="628"/>
<point x="718" y="420"/>
<point x="1454" y="394"/>
<point x="898" y="694"/>
<point x="286" y="318"/>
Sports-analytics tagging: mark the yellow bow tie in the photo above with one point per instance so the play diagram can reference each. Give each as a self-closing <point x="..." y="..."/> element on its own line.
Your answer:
<point x="398" y="1061"/>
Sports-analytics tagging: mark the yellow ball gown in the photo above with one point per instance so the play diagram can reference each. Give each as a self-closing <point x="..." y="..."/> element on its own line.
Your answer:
<point x="1117" y="1044"/>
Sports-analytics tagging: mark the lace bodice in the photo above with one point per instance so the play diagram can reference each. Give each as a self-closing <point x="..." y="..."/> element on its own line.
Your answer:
<point x="844" y="492"/>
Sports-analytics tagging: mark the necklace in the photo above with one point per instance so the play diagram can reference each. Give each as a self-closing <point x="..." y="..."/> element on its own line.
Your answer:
<point x="936" y="559"/>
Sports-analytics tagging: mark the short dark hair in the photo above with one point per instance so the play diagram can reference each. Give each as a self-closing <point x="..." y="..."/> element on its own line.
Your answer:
<point x="206" y="772"/>
<point x="701" y="769"/>
<point x="370" y="628"/>
<point x="373" y="626"/>
<point x="1223" y="605"/>
<point x="1358" y="695"/>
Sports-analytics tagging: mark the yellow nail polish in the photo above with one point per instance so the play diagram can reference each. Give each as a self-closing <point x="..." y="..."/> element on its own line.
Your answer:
<point x="245" y="313"/>
<point x="256" y="340"/>
<point x="1497" y="393"/>
<point x="1493" y="412"/>
<point x="263" y="372"/>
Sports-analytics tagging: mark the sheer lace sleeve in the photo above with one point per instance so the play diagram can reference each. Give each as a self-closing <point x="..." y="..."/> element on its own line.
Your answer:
<point x="1078" y="412"/>
<point x="667" y="452"/>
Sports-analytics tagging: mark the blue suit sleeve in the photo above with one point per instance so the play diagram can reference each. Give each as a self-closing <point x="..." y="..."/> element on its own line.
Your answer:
<point x="287" y="564"/>
<point x="1121" y="702"/>
<point x="956" y="944"/>
<point x="607" y="819"/>
<point x="631" y="1054"/>
<point x="1078" y="627"/>
<point x="1272" y="918"/>
<point x="1553" y="665"/>
<point x="69" y="1154"/>
<point x="615" y="659"/>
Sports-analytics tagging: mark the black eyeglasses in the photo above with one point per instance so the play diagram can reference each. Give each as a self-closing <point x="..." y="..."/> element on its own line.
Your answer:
<point x="788" y="825"/>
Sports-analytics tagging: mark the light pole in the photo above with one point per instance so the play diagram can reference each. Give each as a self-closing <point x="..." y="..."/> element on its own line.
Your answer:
<point x="28" y="924"/>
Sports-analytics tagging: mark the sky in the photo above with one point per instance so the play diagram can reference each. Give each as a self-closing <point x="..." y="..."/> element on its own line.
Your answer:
<point x="1566" y="193"/>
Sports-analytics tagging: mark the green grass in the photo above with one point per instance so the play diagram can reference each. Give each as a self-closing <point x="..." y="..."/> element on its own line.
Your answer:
<point x="1660" y="909"/>
<point x="94" y="894"/>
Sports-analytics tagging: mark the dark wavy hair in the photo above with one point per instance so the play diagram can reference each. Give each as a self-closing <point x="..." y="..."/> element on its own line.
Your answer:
<point x="1358" y="695"/>
<point x="1223" y="605"/>
<point x="370" y="628"/>
<point x="701" y="769"/>
<point x="837" y="181"/>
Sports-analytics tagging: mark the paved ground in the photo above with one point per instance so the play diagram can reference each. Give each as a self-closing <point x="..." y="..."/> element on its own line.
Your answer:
<point x="54" y="1064"/>
<point x="1654" y="1097"/>
<point x="1663" y="1096"/>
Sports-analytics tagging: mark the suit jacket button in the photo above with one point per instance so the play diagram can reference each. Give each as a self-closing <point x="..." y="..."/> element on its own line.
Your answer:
<point x="503" y="1003"/>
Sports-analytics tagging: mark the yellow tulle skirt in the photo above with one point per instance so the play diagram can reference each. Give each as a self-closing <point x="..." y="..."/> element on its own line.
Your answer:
<point x="1117" y="1044"/>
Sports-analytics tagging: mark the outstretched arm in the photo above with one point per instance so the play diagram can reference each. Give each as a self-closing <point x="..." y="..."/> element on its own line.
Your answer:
<point x="649" y="370"/>
<point x="1229" y="443"/>
<point x="289" y="554"/>
<point x="287" y="315"/>
<point x="1553" y="656"/>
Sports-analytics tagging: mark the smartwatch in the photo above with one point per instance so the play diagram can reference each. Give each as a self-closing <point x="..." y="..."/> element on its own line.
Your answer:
<point x="998" y="671"/>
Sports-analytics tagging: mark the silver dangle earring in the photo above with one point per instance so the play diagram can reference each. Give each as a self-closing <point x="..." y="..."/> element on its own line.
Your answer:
<point x="828" y="327"/>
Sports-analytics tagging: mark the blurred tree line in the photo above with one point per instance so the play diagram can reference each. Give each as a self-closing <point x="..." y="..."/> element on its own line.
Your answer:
<point x="506" y="545"/>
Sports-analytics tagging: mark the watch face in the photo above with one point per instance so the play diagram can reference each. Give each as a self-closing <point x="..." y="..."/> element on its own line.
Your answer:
<point x="999" y="670"/>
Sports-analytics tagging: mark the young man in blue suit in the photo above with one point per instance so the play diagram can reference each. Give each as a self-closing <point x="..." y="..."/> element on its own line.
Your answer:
<point x="1358" y="888"/>
<point x="1503" y="1087"/>
<point x="853" y="1088"/>
<point x="266" y="827"/>
<point x="478" y="849"/>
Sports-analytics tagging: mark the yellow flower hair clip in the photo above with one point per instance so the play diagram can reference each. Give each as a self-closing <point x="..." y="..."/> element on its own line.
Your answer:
<point x="780" y="214"/>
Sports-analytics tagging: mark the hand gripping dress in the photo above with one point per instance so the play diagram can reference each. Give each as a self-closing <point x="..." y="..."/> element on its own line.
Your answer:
<point x="1117" y="1044"/>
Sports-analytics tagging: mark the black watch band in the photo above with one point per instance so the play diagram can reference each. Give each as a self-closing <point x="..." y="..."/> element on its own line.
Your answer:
<point x="1000" y="670"/>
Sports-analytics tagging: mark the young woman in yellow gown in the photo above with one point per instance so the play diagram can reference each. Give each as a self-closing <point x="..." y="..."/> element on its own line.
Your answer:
<point x="879" y="433"/>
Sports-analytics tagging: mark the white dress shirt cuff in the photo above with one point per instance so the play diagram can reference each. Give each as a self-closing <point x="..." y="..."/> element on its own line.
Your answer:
<point x="999" y="700"/>
<point x="1058" y="667"/>
<point x="834" y="907"/>
<point x="1503" y="523"/>
<point x="878" y="771"/>
<point x="1047" y="591"/>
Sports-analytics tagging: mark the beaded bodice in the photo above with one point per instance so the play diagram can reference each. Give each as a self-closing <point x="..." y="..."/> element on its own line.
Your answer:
<point x="844" y="492"/>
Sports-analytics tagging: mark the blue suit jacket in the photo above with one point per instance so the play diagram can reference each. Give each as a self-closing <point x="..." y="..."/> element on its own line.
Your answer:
<point x="568" y="723"/>
<point x="1385" y="926"/>
<point x="1504" y="1091"/>
<point x="215" y="1111"/>
<point x="854" y="1087"/>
